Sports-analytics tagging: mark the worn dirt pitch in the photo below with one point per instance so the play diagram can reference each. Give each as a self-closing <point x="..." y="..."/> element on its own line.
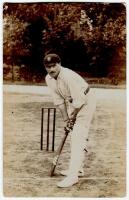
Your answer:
<point x="26" y="167"/>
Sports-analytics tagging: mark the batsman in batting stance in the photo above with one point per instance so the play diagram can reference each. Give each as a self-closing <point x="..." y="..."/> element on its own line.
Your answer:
<point x="76" y="102"/>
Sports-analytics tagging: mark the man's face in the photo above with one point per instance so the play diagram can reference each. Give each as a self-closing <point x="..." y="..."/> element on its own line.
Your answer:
<point x="53" y="69"/>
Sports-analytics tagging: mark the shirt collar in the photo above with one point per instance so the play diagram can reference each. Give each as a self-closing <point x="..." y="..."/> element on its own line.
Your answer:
<point x="60" y="73"/>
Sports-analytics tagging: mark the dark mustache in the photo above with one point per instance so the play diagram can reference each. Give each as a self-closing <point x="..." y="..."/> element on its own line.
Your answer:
<point x="52" y="72"/>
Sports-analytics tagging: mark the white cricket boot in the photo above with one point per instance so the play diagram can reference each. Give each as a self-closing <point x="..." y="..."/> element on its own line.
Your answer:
<point x="66" y="173"/>
<point x="68" y="182"/>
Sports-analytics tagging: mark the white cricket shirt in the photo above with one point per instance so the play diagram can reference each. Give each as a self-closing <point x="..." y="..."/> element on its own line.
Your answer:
<point x="69" y="86"/>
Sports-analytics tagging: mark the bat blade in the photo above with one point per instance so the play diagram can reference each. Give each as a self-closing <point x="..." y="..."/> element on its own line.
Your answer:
<point x="56" y="158"/>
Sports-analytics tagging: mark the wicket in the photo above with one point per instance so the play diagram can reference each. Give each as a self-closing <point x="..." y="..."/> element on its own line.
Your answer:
<point x="49" y="111"/>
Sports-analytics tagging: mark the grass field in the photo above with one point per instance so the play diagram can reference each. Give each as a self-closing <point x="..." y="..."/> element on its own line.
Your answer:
<point x="26" y="167"/>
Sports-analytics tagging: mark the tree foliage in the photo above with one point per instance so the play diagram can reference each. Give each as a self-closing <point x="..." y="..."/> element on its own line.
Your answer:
<point x="87" y="36"/>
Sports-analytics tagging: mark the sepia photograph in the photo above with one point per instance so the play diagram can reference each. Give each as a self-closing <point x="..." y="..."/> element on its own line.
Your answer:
<point x="64" y="99"/>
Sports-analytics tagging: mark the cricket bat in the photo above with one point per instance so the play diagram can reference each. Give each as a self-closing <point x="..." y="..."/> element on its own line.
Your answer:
<point x="56" y="158"/>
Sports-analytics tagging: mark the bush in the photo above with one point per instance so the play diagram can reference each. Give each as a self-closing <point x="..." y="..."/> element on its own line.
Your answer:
<point x="87" y="36"/>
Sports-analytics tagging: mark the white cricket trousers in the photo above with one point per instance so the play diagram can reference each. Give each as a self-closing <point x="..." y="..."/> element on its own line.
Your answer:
<point x="79" y="135"/>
